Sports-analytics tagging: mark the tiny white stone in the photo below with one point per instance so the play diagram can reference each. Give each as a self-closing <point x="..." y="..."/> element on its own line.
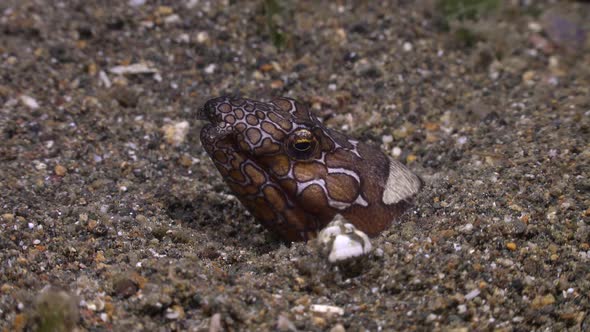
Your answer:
<point x="172" y="314"/>
<point x="408" y="47"/>
<point x="202" y="37"/>
<point x="183" y="38"/>
<point x="29" y="101"/>
<point x="386" y="139"/>
<point x="462" y="140"/>
<point x="210" y="69"/>
<point x="396" y="151"/>
<point x="190" y="4"/>
<point x="172" y="19"/>
<point x="535" y="27"/>
<point x="39" y="165"/>
<point x="136" y="3"/>
<point x="467" y="228"/>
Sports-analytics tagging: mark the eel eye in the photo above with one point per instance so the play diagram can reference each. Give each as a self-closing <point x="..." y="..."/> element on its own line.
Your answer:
<point x="301" y="144"/>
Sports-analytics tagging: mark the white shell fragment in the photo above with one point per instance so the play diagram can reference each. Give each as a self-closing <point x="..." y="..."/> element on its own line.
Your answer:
<point x="326" y="309"/>
<point x="343" y="241"/>
<point x="133" y="69"/>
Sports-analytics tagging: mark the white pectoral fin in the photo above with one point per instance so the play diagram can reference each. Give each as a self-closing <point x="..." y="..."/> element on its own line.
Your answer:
<point x="401" y="183"/>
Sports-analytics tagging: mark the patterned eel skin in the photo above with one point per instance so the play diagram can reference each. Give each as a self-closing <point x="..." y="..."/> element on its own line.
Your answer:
<point x="294" y="175"/>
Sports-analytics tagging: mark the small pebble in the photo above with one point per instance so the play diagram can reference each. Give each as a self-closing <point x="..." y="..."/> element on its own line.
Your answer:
<point x="461" y="308"/>
<point x="276" y="84"/>
<point x="284" y="324"/>
<point x="175" y="133"/>
<point x="124" y="287"/>
<point x="202" y="37"/>
<point x="210" y="69"/>
<point x="39" y="165"/>
<point x="215" y="324"/>
<point x="535" y="27"/>
<point x="176" y="312"/>
<point x="185" y="160"/>
<point x="319" y="321"/>
<point x="466" y="229"/>
<point x="8" y="217"/>
<point x="29" y="101"/>
<point x="165" y="10"/>
<point x="542" y="301"/>
<point x="338" y="328"/>
<point x="473" y="294"/>
<point x="60" y="170"/>
<point x="174" y="18"/>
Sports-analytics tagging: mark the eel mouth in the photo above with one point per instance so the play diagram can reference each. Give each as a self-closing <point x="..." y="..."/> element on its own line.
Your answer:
<point x="212" y="133"/>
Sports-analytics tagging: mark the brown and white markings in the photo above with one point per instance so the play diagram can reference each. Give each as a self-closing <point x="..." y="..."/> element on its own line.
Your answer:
<point x="294" y="175"/>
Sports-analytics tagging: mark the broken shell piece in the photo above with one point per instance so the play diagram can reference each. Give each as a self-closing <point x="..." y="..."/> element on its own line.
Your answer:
<point x="133" y="69"/>
<point x="326" y="309"/>
<point x="343" y="241"/>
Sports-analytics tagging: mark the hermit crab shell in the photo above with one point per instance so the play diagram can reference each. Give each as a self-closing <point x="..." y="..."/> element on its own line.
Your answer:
<point x="342" y="241"/>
